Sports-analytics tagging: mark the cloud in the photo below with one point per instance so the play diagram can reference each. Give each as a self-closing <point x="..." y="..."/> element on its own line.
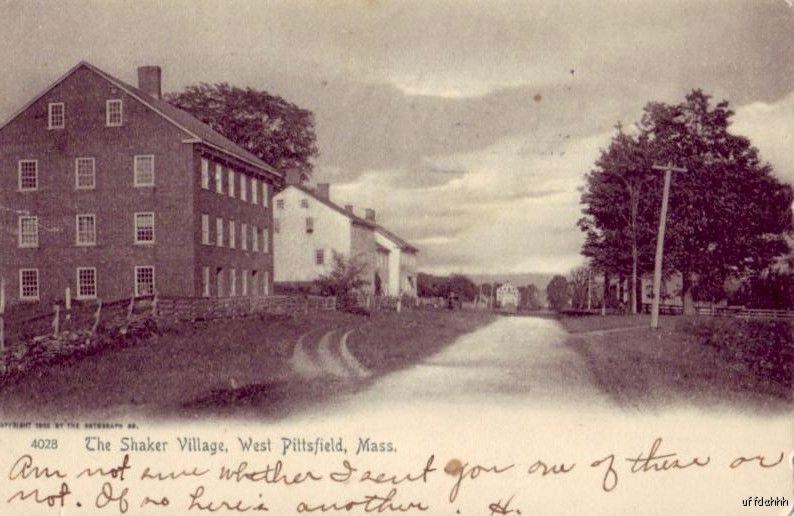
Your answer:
<point x="770" y="127"/>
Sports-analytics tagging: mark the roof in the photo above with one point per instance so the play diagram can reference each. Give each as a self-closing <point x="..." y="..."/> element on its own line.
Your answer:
<point x="404" y="245"/>
<point x="352" y="216"/>
<point x="201" y="132"/>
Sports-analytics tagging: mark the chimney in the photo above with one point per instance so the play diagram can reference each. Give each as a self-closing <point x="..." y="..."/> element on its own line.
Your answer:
<point x="349" y="208"/>
<point x="370" y="215"/>
<point x="324" y="190"/>
<point x="149" y="80"/>
<point x="293" y="177"/>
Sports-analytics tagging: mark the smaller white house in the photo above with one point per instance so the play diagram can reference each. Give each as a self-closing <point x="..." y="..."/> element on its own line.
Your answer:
<point x="508" y="297"/>
<point x="309" y="229"/>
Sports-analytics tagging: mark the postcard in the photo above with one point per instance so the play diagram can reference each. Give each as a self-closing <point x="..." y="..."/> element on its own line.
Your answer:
<point x="438" y="257"/>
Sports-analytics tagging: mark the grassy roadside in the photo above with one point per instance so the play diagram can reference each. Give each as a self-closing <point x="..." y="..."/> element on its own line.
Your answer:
<point x="237" y="366"/>
<point x="670" y="366"/>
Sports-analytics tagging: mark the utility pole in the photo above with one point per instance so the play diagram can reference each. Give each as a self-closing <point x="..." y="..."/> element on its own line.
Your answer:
<point x="657" y="266"/>
<point x="589" y="288"/>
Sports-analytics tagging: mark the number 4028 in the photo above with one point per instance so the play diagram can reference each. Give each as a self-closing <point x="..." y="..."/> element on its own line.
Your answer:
<point x="44" y="444"/>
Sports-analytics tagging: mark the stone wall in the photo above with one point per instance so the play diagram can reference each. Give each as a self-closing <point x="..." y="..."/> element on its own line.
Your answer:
<point x="190" y="309"/>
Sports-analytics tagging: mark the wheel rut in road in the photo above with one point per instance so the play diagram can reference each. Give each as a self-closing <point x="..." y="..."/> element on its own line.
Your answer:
<point x="326" y="356"/>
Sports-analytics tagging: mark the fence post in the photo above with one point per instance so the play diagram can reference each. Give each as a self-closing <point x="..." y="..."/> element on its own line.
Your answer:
<point x="154" y="304"/>
<point x="130" y="308"/>
<point x="56" y="321"/>
<point x="68" y="304"/>
<point x="97" y="317"/>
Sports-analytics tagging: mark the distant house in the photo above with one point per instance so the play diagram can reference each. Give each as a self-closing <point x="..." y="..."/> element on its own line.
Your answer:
<point x="309" y="229"/>
<point x="111" y="191"/>
<point x="508" y="297"/>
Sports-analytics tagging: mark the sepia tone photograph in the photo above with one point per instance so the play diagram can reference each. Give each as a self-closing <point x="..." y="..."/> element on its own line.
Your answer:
<point x="289" y="213"/>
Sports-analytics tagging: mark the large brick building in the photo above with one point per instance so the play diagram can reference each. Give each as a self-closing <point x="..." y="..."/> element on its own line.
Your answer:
<point x="107" y="189"/>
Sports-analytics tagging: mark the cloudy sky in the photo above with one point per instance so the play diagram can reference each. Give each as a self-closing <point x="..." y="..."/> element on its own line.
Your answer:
<point x="467" y="125"/>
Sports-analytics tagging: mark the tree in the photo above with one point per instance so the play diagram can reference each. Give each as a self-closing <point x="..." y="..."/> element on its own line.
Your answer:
<point x="558" y="294"/>
<point x="278" y="132"/>
<point x="343" y="279"/>
<point x="529" y="297"/>
<point x="579" y="282"/>
<point x="728" y="215"/>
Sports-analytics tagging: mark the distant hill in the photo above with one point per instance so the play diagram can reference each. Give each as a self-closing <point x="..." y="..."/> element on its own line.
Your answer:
<point x="538" y="279"/>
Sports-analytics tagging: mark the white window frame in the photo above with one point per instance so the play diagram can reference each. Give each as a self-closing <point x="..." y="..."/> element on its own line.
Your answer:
<point x="265" y="282"/>
<point x="245" y="282"/>
<point x="255" y="238"/>
<point x="205" y="279"/>
<point x="77" y="231"/>
<point x="232" y="236"/>
<point x="138" y="291"/>
<point x="142" y="214"/>
<point x="218" y="232"/>
<point x="265" y="241"/>
<point x="243" y="187"/>
<point x="205" y="174"/>
<point x="22" y="295"/>
<point x="265" y="193"/>
<point x="51" y="115"/>
<point x="34" y="235"/>
<point x="20" y="165"/>
<point x="280" y="204"/>
<point x="243" y="236"/>
<point x="80" y="294"/>
<point x="140" y="158"/>
<point x="319" y="257"/>
<point x="77" y="173"/>
<point x="205" y="229"/>
<point x="254" y="190"/>
<point x="230" y="178"/>
<point x="309" y="225"/>
<point x="218" y="178"/>
<point x="110" y="113"/>
<point x="233" y="282"/>
<point x="305" y="203"/>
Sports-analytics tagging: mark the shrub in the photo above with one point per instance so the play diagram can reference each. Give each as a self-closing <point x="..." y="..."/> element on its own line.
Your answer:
<point x="763" y="347"/>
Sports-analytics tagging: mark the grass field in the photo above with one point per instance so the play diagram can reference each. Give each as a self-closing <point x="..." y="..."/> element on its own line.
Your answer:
<point x="639" y="367"/>
<point x="224" y="366"/>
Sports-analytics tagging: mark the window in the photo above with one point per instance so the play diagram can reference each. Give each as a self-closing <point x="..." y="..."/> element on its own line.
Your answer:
<point x="205" y="281"/>
<point x="84" y="173"/>
<point x="254" y="238"/>
<point x="232" y="239"/>
<point x="205" y="174"/>
<point x="266" y="195"/>
<point x="319" y="256"/>
<point x="113" y="113"/>
<point x="144" y="228"/>
<point x="28" y="231"/>
<point x="276" y="225"/>
<point x="309" y="225"/>
<point x="245" y="282"/>
<point x="56" y="115"/>
<point x="205" y="229"/>
<point x="144" y="280"/>
<point x="219" y="232"/>
<point x="29" y="284"/>
<point x="144" y="170"/>
<point x="254" y="190"/>
<point x="231" y="183"/>
<point x="233" y="282"/>
<point x="280" y="204"/>
<point x="28" y="175"/>
<point x="218" y="179"/>
<point x="265" y="240"/>
<point x="304" y="203"/>
<point x="243" y="188"/>
<point x="265" y="283"/>
<point x="86" y="229"/>
<point x="244" y="236"/>
<point x="86" y="282"/>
